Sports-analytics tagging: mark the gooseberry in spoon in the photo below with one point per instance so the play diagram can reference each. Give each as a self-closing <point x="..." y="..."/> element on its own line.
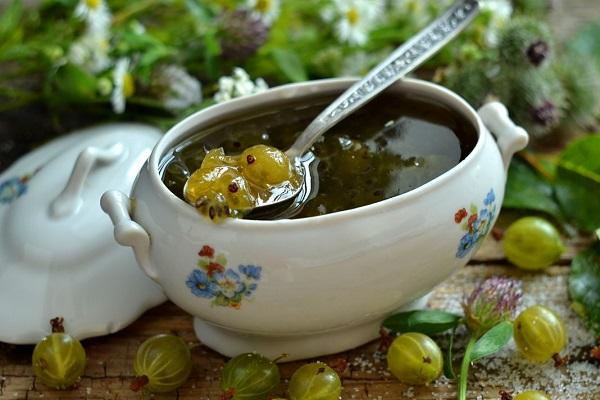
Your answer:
<point x="287" y="199"/>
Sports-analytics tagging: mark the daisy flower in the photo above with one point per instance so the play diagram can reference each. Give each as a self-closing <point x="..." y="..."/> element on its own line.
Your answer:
<point x="90" y="52"/>
<point x="179" y="90"/>
<point x="267" y="10"/>
<point x="353" y="19"/>
<point x="96" y="15"/>
<point x="123" y="86"/>
<point x="238" y="85"/>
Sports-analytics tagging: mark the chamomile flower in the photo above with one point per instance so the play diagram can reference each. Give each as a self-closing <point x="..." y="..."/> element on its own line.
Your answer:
<point x="90" y="52"/>
<point x="123" y="86"/>
<point x="178" y="89"/>
<point x="353" y="19"/>
<point x="267" y="10"/>
<point x="96" y="15"/>
<point x="238" y="85"/>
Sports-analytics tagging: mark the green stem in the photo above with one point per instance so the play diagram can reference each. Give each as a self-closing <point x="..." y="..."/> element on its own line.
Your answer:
<point x="464" y="369"/>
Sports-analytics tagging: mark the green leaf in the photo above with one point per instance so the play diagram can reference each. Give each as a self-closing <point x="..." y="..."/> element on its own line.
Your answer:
<point x="290" y="64"/>
<point x="199" y="11"/>
<point x="427" y="322"/>
<point x="10" y="19"/>
<point x="212" y="51"/>
<point x="584" y="43"/>
<point x="492" y="341"/>
<point x="448" y="366"/>
<point x="578" y="182"/>
<point x="584" y="286"/>
<point x="528" y="190"/>
<point x="72" y="83"/>
<point x="221" y="259"/>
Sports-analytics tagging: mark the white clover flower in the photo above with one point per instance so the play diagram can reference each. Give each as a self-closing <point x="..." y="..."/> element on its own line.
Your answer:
<point x="179" y="90"/>
<point x="123" y="85"/>
<point x="500" y="12"/>
<point x="238" y="85"/>
<point x="90" y="52"/>
<point x="266" y="10"/>
<point x="96" y="15"/>
<point x="353" y="19"/>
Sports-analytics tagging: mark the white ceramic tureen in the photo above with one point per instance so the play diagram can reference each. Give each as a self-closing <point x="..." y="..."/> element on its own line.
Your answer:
<point x="318" y="285"/>
<point x="57" y="254"/>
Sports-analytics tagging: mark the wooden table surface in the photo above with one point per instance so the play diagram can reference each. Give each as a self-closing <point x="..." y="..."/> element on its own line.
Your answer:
<point x="109" y="368"/>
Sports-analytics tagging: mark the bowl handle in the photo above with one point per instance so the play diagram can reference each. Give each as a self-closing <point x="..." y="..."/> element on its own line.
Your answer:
<point x="128" y="232"/>
<point x="510" y="137"/>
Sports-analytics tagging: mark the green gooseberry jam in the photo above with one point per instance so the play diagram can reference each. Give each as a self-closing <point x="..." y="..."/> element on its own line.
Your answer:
<point x="392" y="145"/>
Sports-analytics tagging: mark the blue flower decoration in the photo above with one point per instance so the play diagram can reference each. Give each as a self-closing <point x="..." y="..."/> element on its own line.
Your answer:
<point x="249" y="289"/>
<point x="477" y="226"/>
<point x="201" y="285"/>
<point x="489" y="198"/>
<point x="230" y="283"/>
<point x="11" y="189"/>
<point x="466" y="243"/>
<point x="250" y="271"/>
<point x="484" y="213"/>
<point x="227" y="287"/>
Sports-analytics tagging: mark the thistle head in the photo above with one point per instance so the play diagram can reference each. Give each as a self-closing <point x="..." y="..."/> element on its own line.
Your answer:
<point x="537" y="52"/>
<point x="241" y="34"/>
<point x="492" y="302"/>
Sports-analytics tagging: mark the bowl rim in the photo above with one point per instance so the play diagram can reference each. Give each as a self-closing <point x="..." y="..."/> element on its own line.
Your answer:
<point x="171" y="138"/>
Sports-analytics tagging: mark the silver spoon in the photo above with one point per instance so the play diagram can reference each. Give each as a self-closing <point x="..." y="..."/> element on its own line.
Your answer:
<point x="403" y="60"/>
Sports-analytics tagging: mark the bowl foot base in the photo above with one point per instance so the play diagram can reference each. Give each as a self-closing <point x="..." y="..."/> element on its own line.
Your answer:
<point x="230" y="343"/>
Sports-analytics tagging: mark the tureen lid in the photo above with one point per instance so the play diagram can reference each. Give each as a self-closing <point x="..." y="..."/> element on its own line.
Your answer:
<point x="58" y="257"/>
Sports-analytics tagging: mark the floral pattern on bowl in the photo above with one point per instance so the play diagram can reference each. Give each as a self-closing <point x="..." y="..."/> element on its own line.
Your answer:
<point x="226" y="287"/>
<point x="13" y="188"/>
<point x="476" y="223"/>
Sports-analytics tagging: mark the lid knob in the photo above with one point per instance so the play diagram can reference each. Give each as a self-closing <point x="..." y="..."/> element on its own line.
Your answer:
<point x="69" y="201"/>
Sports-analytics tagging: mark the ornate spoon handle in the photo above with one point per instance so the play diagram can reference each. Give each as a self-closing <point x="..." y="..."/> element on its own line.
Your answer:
<point x="403" y="60"/>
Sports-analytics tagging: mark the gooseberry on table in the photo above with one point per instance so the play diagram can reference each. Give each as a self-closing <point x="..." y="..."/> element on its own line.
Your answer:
<point x="315" y="381"/>
<point x="414" y="358"/>
<point x="249" y="376"/>
<point x="539" y="334"/>
<point x="162" y="364"/>
<point x="532" y="243"/>
<point x="58" y="359"/>
<point x="532" y="395"/>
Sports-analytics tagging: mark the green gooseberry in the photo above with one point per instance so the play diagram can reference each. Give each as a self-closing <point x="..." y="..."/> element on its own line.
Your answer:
<point x="539" y="333"/>
<point x="414" y="358"/>
<point x="532" y="395"/>
<point x="532" y="243"/>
